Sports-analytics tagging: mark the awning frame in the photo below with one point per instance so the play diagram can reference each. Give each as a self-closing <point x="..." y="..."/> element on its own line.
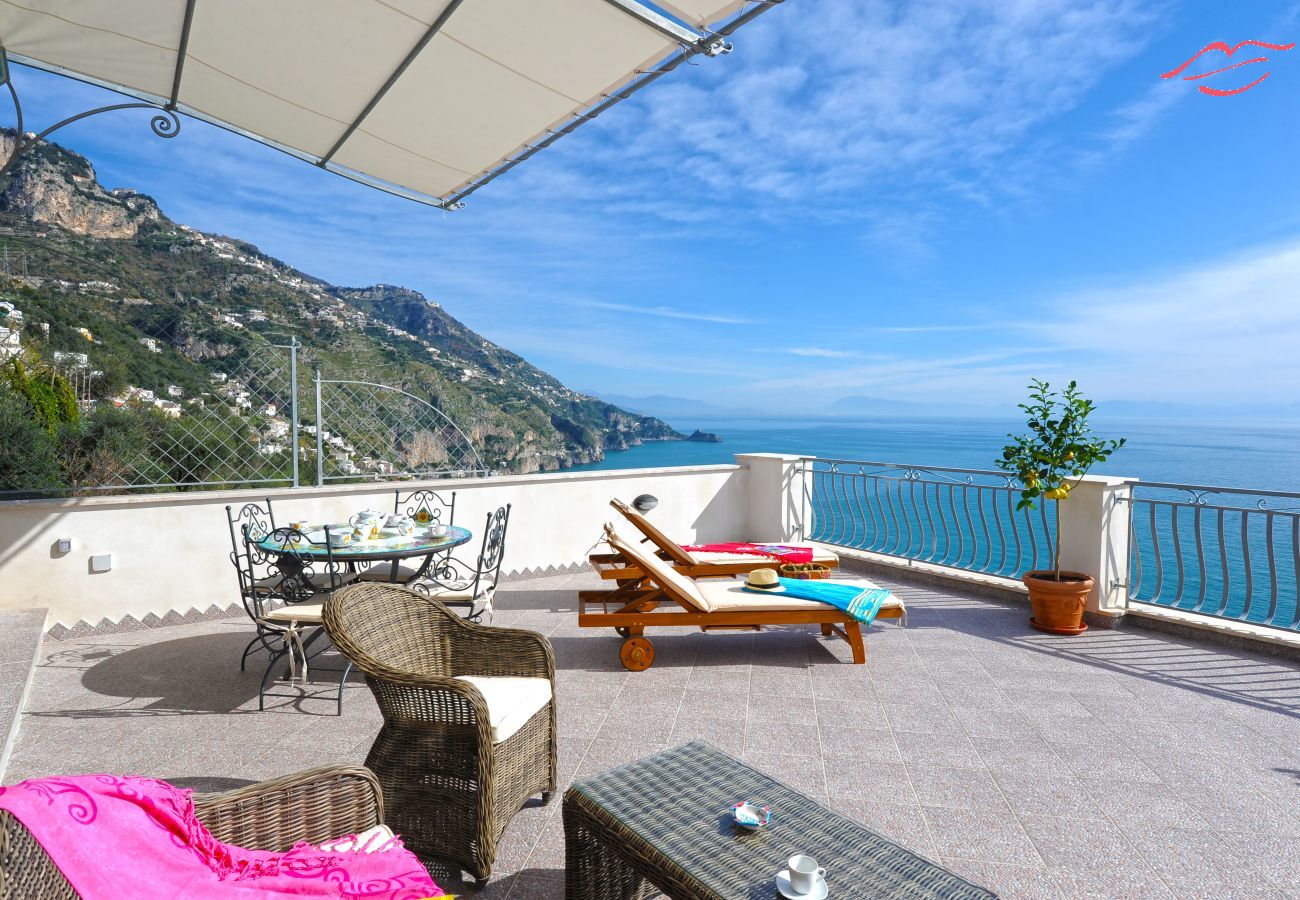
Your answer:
<point x="166" y="123"/>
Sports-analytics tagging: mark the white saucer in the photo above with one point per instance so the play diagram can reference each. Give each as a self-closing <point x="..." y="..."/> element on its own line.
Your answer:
<point x="783" y="886"/>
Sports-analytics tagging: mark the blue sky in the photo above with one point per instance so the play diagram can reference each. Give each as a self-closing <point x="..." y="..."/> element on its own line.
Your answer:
<point x="928" y="202"/>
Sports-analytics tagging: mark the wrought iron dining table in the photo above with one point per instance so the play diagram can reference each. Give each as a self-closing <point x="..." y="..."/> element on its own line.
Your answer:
<point x="390" y="549"/>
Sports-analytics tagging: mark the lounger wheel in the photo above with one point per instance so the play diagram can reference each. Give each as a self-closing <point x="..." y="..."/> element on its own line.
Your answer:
<point x="637" y="654"/>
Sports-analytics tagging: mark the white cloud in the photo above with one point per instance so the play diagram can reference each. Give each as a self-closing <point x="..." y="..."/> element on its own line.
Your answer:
<point x="668" y="312"/>
<point x="821" y="352"/>
<point x="1219" y="332"/>
<point x="1214" y="333"/>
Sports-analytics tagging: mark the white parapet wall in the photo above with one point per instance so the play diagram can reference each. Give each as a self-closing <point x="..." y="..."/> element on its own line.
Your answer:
<point x="170" y="552"/>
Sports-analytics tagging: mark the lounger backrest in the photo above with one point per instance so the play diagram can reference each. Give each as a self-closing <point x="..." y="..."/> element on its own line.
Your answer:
<point x="675" y="551"/>
<point x="674" y="584"/>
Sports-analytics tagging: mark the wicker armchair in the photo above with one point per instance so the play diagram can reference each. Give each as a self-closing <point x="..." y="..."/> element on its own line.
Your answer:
<point x="314" y="806"/>
<point x="459" y="754"/>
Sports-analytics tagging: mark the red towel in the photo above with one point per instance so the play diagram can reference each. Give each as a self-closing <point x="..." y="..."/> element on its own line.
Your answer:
<point x="783" y="552"/>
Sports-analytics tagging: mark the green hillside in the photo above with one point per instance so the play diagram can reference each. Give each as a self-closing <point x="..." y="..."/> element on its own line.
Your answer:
<point x="166" y="307"/>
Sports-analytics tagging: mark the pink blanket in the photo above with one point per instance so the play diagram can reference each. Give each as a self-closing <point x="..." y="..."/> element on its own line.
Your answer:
<point x="784" y="552"/>
<point x="114" y="837"/>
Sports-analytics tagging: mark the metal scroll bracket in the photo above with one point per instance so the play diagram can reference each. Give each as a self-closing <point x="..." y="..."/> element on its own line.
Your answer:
<point x="166" y="124"/>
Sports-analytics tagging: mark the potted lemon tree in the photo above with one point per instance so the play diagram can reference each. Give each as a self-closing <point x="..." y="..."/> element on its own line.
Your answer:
<point x="1049" y="460"/>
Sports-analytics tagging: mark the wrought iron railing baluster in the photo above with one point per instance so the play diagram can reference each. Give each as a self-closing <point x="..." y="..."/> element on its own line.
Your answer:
<point x="1178" y="552"/>
<point x="1200" y="557"/>
<point x="1272" y="568"/>
<point x="1245" y="556"/>
<point x="1223" y="562"/>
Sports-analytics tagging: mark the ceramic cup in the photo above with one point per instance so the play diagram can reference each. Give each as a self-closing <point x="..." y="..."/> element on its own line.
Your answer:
<point x="298" y="526"/>
<point x="438" y="530"/>
<point x="396" y="521"/>
<point x="805" y="874"/>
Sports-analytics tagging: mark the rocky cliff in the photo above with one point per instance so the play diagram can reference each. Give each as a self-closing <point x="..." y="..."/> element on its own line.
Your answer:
<point x="52" y="186"/>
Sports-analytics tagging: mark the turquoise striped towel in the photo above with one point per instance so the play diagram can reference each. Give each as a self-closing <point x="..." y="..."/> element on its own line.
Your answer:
<point x="861" y="603"/>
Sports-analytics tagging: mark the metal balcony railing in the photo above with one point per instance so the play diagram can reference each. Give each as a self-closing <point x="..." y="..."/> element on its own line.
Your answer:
<point x="961" y="518"/>
<point x="1231" y="553"/>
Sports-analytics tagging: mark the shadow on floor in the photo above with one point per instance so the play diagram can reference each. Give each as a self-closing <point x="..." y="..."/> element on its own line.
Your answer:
<point x="185" y="676"/>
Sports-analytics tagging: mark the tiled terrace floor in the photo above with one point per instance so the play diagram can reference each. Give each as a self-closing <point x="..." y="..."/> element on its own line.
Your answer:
<point x="1116" y="764"/>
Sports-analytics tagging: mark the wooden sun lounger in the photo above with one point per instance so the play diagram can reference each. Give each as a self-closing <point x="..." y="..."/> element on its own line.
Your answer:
<point x="693" y="564"/>
<point x="633" y="606"/>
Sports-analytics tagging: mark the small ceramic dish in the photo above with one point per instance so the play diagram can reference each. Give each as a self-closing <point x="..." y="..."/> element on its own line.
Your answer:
<point x="750" y="816"/>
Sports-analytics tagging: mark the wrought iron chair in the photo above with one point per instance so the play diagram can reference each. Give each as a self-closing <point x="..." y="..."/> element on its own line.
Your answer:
<point x="469" y="730"/>
<point x="303" y="584"/>
<point x="457" y="583"/>
<point x="257" y="581"/>
<point x="426" y="508"/>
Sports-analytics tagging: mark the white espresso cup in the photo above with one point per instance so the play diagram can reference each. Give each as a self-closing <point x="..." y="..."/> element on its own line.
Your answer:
<point x="805" y="874"/>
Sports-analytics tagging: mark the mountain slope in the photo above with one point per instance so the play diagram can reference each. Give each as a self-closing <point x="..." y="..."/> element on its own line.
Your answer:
<point x="168" y="305"/>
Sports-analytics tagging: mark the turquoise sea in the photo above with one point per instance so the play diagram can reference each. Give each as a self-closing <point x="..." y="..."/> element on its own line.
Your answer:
<point x="1247" y="455"/>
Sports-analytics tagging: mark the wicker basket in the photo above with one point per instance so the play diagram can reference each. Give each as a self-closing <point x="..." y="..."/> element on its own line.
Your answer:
<point x="805" y="571"/>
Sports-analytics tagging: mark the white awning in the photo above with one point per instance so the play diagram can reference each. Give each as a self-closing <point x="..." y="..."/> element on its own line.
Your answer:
<point x="426" y="98"/>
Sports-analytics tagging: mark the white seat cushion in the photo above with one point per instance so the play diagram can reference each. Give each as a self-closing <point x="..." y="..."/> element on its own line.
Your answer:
<point x="511" y="702"/>
<point x="731" y="596"/>
<point x="309" y="613"/>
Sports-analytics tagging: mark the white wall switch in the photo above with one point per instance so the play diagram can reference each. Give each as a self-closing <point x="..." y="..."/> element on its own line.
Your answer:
<point x="101" y="562"/>
<point x="65" y="545"/>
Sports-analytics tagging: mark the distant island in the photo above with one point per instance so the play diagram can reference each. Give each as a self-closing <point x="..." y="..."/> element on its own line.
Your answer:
<point x="704" y="437"/>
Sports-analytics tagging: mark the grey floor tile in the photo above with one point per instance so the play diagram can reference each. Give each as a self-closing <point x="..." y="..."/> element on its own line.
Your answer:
<point x="981" y="835"/>
<point x="870" y="745"/>
<point x="947" y="750"/>
<point x="1126" y="880"/>
<point x="1032" y="795"/>
<point x="958" y="788"/>
<point x="1007" y="881"/>
<point x="868" y="783"/>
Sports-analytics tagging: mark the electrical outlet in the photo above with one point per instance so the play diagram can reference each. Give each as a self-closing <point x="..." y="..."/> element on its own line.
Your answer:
<point x="101" y="562"/>
<point x="65" y="545"/>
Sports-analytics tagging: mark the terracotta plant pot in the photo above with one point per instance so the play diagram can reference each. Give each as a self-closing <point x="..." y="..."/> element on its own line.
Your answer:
<point x="1058" y="605"/>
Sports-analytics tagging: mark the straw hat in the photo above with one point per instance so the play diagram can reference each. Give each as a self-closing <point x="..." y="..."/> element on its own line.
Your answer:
<point x="763" y="579"/>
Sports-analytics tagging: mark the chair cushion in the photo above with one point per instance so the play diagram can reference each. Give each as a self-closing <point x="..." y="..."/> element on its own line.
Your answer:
<point x="511" y="702"/>
<point x="731" y="596"/>
<point x="383" y="571"/>
<point x="308" y="613"/>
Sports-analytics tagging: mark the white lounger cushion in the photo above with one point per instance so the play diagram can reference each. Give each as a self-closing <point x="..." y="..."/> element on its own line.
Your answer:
<point x="663" y="573"/>
<point x="731" y="596"/>
<point x="511" y="702"/>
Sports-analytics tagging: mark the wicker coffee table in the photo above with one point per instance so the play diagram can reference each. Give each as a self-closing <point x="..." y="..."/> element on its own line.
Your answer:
<point x="662" y="824"/>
